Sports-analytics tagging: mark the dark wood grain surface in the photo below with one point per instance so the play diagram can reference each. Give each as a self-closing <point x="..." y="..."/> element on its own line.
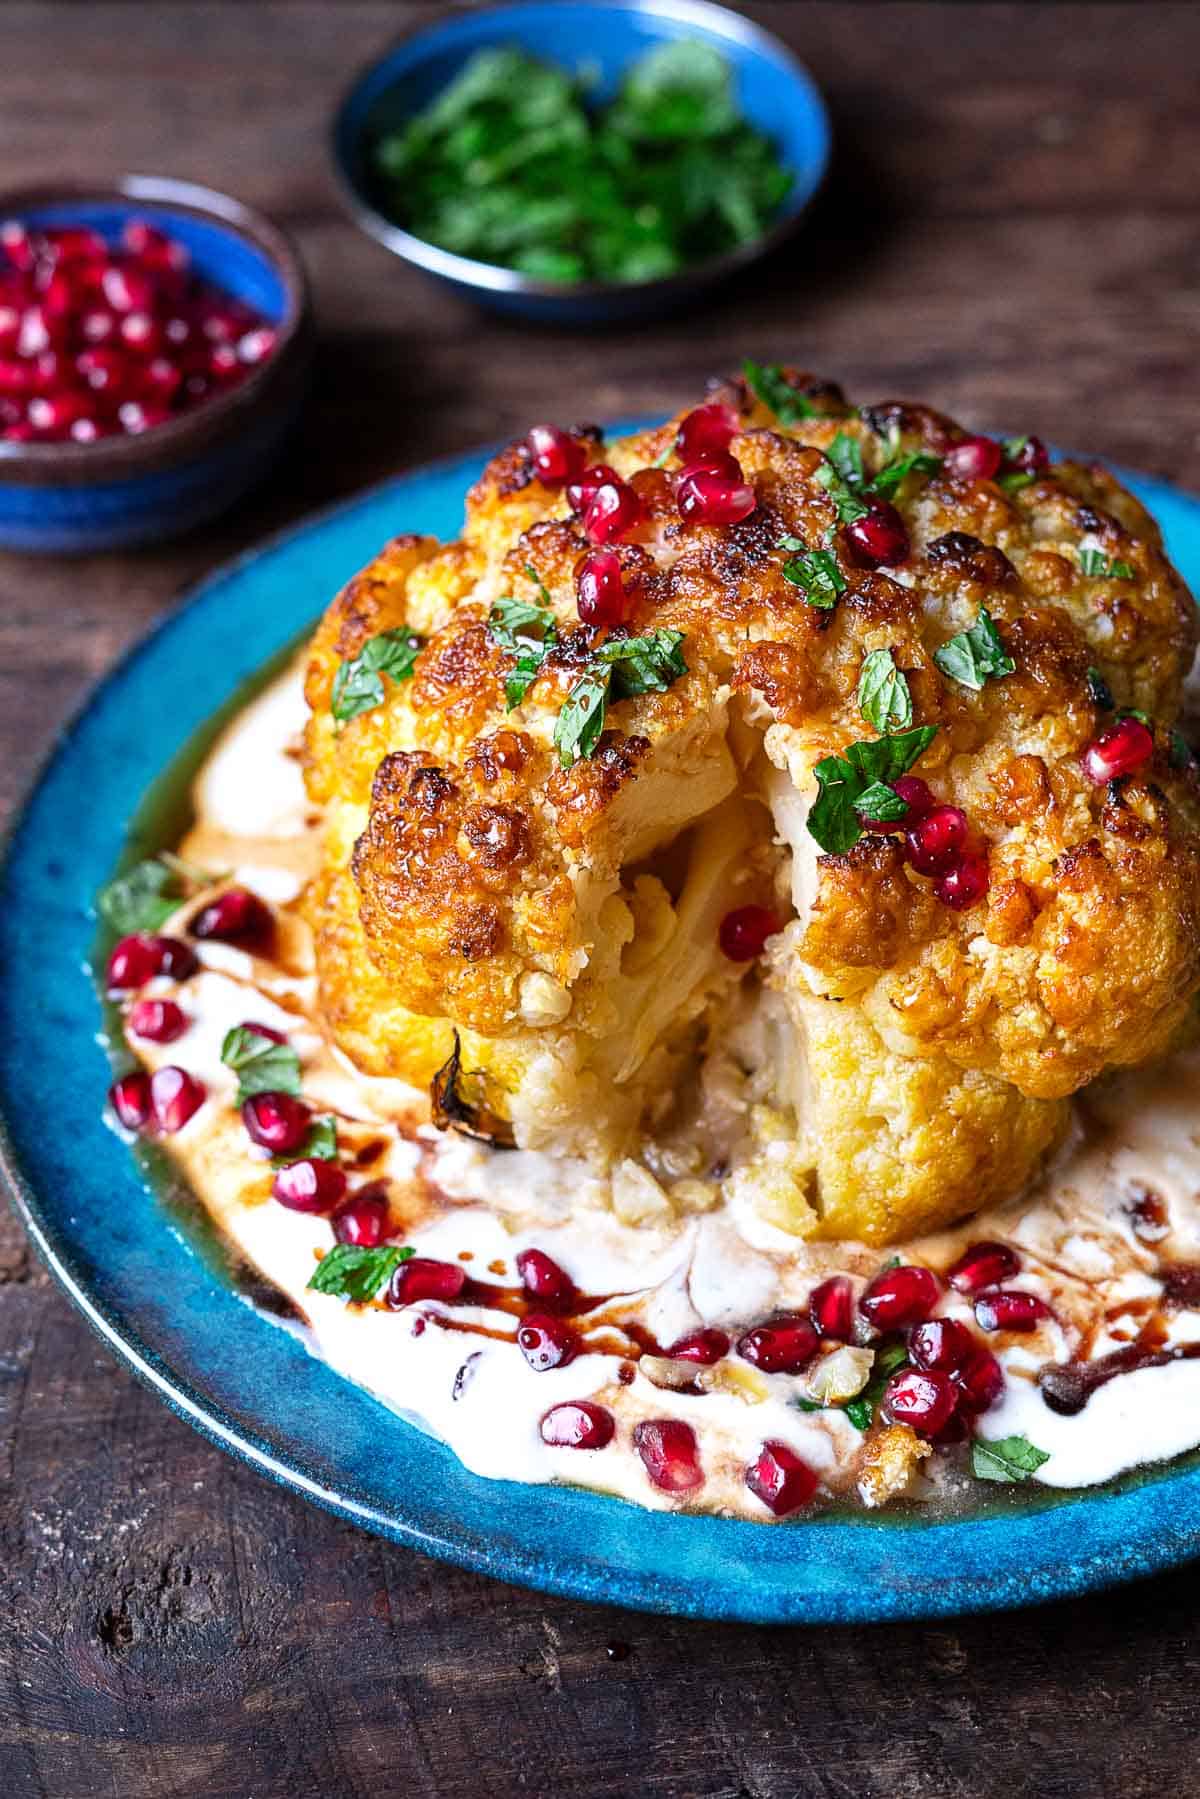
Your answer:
<point x="1011" y="233"/>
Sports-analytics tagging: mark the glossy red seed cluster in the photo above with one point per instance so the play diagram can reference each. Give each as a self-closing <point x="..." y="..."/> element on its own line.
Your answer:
<point x="1124" y="747"/>
<point x="784" y="1345"/>
<point x="669" y="1454"/>
<point x="879" y="539"/>
<point x="898" y="1297"/>
<point x="235" y="916"/>
<point x="975" y="459"/>
<point x="157" y="1020"/>
<point x="363" y="1220"/>
<point x="175" y="1095"/>
<point x="983" y="1264"/>
<point x="310" y="1185"/>
<point x="542" y="1277"/>
<point x="557" y="457"/>
<point x="276" y="1121"/>
<point x="100" y="339"/>
<point x="546" y="1341"/>
<point x="743" y="933"/>
<point x="601" y="594"/>
<point x="831" y="1309"/>
<point x="136" y="959"/>
<point x="421" y="1277"/>
<point x="704" y="1347"/>
<point x="712" y="490"/>
<point x="781" y="1479"/>
<point x="707" y="431"/>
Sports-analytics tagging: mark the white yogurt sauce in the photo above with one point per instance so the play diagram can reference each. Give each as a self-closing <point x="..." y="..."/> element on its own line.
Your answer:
<point x="459" y="1201"/>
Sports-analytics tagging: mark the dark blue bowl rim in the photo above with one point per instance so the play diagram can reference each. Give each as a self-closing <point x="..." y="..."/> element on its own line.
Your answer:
<point x="1163" y="1538"/>
<point x="492" y="277"/>
<point x="111" y="457"/>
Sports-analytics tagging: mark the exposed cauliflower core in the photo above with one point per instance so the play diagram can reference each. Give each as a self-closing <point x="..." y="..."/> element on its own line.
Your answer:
<point x="889" y="1063"/>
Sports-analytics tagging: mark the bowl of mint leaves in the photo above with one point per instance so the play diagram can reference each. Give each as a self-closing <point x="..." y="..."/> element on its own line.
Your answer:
<point x="581" y="163"/>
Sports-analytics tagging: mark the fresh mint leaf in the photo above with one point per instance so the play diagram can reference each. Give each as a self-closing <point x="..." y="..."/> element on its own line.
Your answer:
<point x="881" y="804"/>
<point x="533" y="575"/>
<point x="648" y="664"/>
<point x="1180" y="752"/>
<point x="816" y="573"/>
<point x="1096" y="564"/>
<point x="520" y="678"/>
<point x="351" y="1272"/>
<point x="142" y="899"/>
<point x="845" y="453"/>
<point x="976" y="655"/>
<point x="768" y="382"/>
<point x="1008" y="1458"/>
<point x="1099" y="691"/>
<point x="1015" y="480"/>
<point x="849" y="505"/>
<point x="358" y="684"/>
<point x="580" y="724"/>
<point x="833" y="818"/>
<point x="889" y="1359"/>
<point x="898" y="468"/>
<point x="860" y="1413"/>
<point x="261" y="1064"/>
<point x="320" y="1143"/>
<point x="884" y="698"/>
<point x="516" y="625"/>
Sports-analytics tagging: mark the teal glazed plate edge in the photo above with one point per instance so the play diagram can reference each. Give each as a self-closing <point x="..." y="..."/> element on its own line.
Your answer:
<point x="138" y="1275"/>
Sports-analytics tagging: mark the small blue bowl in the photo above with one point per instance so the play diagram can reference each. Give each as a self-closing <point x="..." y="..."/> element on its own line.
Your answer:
<point x="73" y="498"/>
<point x="775" y="92"/>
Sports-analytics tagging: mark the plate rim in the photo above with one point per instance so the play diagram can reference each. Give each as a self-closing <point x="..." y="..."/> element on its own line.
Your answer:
<point x="958" y="1593"/>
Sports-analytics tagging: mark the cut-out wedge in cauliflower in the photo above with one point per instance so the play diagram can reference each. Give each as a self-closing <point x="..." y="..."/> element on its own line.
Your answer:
<point x="861" y="737"/>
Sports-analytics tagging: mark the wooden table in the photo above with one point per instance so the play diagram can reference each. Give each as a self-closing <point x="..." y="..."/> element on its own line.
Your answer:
<point x="1012" y="233"/>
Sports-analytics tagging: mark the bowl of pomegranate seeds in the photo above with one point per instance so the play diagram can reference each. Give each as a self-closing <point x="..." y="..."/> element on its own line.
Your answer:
<point x="583" y="164"/>
<point x="154" y="345"/>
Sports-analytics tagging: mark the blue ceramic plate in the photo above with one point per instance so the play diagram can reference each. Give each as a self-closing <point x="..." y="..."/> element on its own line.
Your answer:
<point x="142" y="1276"/>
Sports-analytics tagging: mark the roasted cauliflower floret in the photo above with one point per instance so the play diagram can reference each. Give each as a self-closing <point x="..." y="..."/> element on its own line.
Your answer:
<point x="536" y="824"/>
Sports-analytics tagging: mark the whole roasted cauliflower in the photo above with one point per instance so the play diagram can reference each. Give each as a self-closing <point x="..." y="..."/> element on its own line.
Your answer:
<point x="831" y="748"/>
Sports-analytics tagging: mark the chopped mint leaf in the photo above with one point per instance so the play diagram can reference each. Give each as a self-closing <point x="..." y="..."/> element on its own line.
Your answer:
<point x="648" y="664"/>
<point x="897" y="468"/>
<point x="848" y="504"/>
<point x="581" y="722"/>
<point x="516" y="625"/>
<point x="833" y="819"/>
<point x="881" y="804"/>
<point x="883" y="692"/>
<point x="889" y="1359"/>
<point x="1009" y="1458"/>
<point x="1143" y="718"/>
<point x="320" y="1143"/>
<point x="768" y="382"/>
<point x="808" y="1405"/>
<point x="1099" y="691"/>
<point x="358" y="687"/>
<point x="533" y="575"/>
<point x="142" y="899"/>
<point x="1096" y="564"/>
<point x="519" y="679"/>
<point x="261" y="1064"/>
<point x="845" y="453"/>
<point x="352" y="1272"/>
<point x="860" y="1413"/>
<point x="1015" y="480"/>
<point x="816" y="573"/>
<point x="1180" y="752"/>
<point x="1012" y="446"/>
<point x="976" y="655"/>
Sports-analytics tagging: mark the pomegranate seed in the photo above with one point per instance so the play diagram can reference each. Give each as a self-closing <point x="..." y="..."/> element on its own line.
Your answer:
<point x="1118" y="751"/>
<point x="964" y="883"/>
<point x="176" y="958"/>
<point x="220" y="325"/>
<point x="16" y="376"/>
<point x="157" y="1020"/>
<point x="174" y="1096"/>
<point x="162" y="379"/>
<point x="601" y="594"/>
<point x="784" y="1346"/>
<point x="256" y="345"/>
<point x="223" y="363"/>
<point x="612" y="510"/>
<point x="899" y="1297"/>
<point x="423" y="1278"/>
<point x="132" y="962"/>
<point x="955" y="1430"/>
<point x="581" y="490"/>
<point x="704" y="1347"/>
<point x="84" y="431"/>
<point x="709" y="495"/>
<point x="126" y="289"/>
<point x="75" y="243"/>
<point x="557" y="456"/>
<point x="941" y="1343"/>
<point x="936" y="841"/>
<point x="10" y="326"/>
<point x="21" y="433"/>
<point x="743" y="933"/>
<point x="781" y="1479"/>
<point x="129" y="1098"/>
<point x="363" y="1220"/>
<point x="543" y="1277"/>
<point x="707" y="429"/>
<point x="17" y="244"/>
<point x="98" y="325"/>
<point x="152" y="246"/>
<point x="141" y="333"/>
<point x="923" y="1398"/>
<point x="1032" y="458"/>
<point x="56" y="413"/>
<point x="669" y="1455"/>
<point x="40" y="330"/>
<point x="578" y="1424"/>
<point x="60" y="296"/>
<point x="1005" y="1310"/>
<point x="310" y="1185"/>
<point x="263" y="1030"/>
<point x="975" y="459"/>
<point x="984" y="1264"/>
<point x="178" y="332"/>
<point x="277" y="1121"/>
<point x="105" y="370"/>
<point x="546" y="1342"/>
<point x="879" y="539"/>
<point x="831" y="1309"/>
<point x="237" y="916"/>
<point x="916" y="796"/>
<point x="136" y="417"/>
<point x="980" y="1381"/>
